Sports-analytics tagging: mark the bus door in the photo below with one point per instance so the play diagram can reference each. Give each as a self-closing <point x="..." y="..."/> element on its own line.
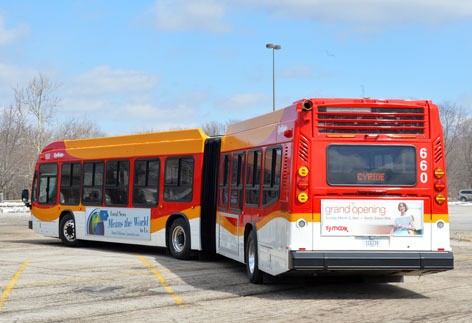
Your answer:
<point x="230" y="204"/>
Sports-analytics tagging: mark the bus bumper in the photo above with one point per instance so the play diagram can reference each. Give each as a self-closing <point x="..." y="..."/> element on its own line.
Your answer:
<point x="386" y="262"/>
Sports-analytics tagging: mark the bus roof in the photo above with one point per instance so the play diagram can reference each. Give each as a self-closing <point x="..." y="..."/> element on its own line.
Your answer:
<point x="165" y="143"/>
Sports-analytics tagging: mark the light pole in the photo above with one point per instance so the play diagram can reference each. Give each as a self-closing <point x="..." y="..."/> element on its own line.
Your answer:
<point x="274" y="47"/>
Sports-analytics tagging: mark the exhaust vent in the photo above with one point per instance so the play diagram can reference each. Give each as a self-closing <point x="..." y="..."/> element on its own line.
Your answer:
<point x="385" y="120"/>
<point x="438" y="153"/>
<point x="303" y="151"/>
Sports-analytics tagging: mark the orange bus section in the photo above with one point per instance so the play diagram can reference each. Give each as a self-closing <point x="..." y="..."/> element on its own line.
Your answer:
<point x="321" y="187"/>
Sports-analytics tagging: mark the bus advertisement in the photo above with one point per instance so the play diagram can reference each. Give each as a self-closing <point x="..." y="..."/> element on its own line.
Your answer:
<point x="321" y="187"/>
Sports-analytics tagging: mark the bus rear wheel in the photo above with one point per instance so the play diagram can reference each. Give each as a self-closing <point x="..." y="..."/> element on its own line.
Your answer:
<point x="67" y="231"/>
<point x="252" y="259"/>
<point x="179" y="239"/>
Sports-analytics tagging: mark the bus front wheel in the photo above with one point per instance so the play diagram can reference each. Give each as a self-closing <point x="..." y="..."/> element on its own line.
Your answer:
<point x="67" y="231"/>
<point x="179" y="239"/>
<point x="252" y="259"/>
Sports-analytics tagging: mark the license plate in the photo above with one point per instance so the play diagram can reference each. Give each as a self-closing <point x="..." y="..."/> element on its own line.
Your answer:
<point x="373" y="242"/>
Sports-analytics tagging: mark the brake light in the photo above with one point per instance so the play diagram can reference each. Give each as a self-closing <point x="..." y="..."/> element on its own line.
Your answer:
<point x="439" y="186"/>
<point x="440" y="198"/>
<point x="303" y="185"/>
<point x="439" y="173"/>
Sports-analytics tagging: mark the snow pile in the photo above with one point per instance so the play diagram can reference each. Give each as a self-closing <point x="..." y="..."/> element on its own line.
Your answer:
<point x="460" y="203"/>
<point x="13" y="207"/>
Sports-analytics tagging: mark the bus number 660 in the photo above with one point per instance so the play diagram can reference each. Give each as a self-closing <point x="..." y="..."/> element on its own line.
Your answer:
<point x="423" y="165"/>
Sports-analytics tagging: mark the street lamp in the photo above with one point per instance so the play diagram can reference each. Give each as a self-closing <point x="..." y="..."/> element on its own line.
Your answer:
<point x="274" y="48"/>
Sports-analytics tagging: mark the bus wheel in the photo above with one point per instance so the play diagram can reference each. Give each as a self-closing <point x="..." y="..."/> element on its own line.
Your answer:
<point x="179" y="239"/>
<point x="252" y="261"/>
<point x="67" y="231"/>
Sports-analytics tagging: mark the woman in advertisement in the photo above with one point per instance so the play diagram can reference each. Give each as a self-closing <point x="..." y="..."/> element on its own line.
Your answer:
<point x="405" y="223"/>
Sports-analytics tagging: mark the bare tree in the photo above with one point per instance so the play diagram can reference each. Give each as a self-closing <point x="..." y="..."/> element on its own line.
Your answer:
<point x="466" y="148"/>
<point x="452" y="118"/>
<point x="38" y="99"/>
<point x="216" y="128"/>
<point x="11" y="158"/>
<point x="77" y="129"/>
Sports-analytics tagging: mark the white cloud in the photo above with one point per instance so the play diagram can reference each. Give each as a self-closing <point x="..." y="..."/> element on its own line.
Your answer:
<point x="368" y="11"/>
<point x="366" y="15"/>
<point x="104" y="80"/>
<point x="8" y="36"/>
<point x="244" y="101"/>
<point x="181" y="15"/>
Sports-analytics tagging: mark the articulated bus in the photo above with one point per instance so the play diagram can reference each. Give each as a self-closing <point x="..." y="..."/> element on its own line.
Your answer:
<point x="321" y="187"/>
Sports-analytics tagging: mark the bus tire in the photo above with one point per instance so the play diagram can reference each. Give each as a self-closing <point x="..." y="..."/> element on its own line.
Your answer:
<point x="67" y="231"/>
<point x="179" y="239"/>
<point x="252" y="259"/>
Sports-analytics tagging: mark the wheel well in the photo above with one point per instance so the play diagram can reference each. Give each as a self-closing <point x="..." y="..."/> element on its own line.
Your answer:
<point x="64" y="213"/>
<point x="247" y="229"/>
<point x="171" y="219"/>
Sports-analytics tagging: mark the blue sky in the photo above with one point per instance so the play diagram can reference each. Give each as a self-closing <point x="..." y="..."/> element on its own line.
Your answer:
<point x="158" y="65"/>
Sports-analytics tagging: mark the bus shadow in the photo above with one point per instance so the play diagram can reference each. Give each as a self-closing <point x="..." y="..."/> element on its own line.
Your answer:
<point x="217" y="274"/>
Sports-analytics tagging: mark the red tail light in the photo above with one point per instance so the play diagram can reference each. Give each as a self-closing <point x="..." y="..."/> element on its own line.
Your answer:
<point x="439" y="186"/>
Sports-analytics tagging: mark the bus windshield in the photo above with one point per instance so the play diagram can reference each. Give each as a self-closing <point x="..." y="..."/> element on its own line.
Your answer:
<point x="371" y="165"/>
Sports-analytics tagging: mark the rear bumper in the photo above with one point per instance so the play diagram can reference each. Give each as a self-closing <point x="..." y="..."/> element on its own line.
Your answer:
<point x="387" y="262"/>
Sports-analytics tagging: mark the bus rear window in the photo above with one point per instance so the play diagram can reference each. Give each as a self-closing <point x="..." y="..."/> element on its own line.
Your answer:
<point x="371" y="165"/>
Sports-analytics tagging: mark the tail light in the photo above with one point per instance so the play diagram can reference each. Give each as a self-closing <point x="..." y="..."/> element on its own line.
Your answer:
<point x="439" y="173"/>
<point x="440" y="198"/>
<point x="439" y="186"/>
<point x="303" y="171"/>
<point x="302" y="197"/>
<point x="303" y="185"/>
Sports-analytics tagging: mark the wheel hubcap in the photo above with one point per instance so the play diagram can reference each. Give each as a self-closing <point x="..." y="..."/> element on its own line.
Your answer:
<point x="69" y="230"/>
<point x="251" y="256"/>
<point x="178" y="239"/>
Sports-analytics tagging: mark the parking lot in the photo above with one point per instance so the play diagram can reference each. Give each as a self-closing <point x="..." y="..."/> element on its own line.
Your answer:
<point x="43" y="281"/>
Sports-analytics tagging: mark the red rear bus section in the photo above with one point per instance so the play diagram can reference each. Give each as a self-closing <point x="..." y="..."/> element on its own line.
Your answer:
<point x="324" y="186"/>
<point x="336" y="186"/>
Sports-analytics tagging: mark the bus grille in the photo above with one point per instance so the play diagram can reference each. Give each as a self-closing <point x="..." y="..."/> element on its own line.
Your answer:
<point x="383" y="120"/>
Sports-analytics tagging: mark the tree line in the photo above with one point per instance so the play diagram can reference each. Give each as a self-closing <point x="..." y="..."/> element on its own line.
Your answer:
<point x="27" y="125"/>
<point x="32" y="121"/>
<point x="457" y="130"/>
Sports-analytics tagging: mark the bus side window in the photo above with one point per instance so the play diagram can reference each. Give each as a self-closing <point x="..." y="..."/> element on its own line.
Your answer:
<point x="92" y="191"/>
<point x="146" y="182"/>
<point x="253" y="178"/>
<point x="178" y="183"/>
<point x="71" y="174"/>
<point x="272" y="176"/>
<point x="47" y="184"/>
<point x="237" y="181"/>
<point x="223" y="185"/>
<point x="34" y="190"/>
<point x="117" y="183"/>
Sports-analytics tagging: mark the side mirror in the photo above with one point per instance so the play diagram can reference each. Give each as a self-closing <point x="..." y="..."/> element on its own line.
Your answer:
<point x="25" y="196"/>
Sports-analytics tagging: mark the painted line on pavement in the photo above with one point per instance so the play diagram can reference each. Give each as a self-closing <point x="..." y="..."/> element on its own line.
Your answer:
<point x="12" y="283"/>
<point x="65" y="280"/>
<point x="162" y="280"/>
